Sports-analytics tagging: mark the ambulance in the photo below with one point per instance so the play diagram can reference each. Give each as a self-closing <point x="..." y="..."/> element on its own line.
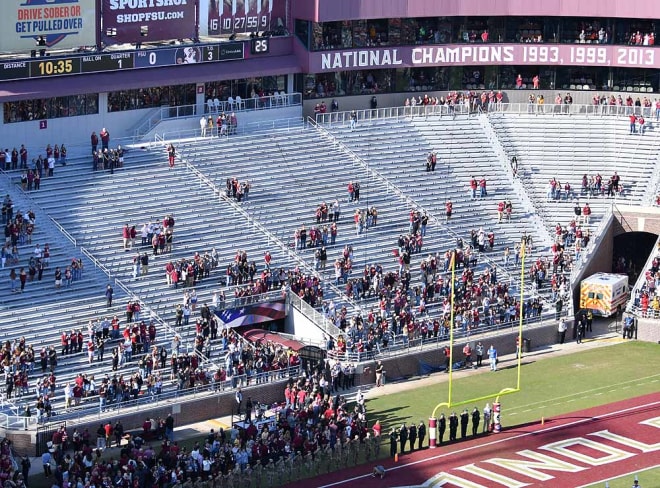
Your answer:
<point x="604" y="293"/>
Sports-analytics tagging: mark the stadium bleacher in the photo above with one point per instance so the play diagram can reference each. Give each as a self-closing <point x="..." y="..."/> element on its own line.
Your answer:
<point x="291" y="172"/>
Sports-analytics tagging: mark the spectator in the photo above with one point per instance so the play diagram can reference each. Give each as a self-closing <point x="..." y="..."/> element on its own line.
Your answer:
<point x="105" y="138"/>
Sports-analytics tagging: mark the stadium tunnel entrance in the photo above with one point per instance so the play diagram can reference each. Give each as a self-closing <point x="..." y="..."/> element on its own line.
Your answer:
<point x="623" y="246"/>
<point x="630" y="253"/>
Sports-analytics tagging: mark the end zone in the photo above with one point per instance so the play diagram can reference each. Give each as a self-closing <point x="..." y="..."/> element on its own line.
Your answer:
<point x="581" y="447"/>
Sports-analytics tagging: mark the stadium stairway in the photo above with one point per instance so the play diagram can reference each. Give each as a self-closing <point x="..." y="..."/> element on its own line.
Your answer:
<point x="42" y="311"/>
<point x="397" y="149"/>
<point x="305" y="169"/>
<point x="566" y="147"/>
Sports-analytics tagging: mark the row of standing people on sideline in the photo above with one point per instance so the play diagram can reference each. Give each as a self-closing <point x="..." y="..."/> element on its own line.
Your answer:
<point x="411" y="438"/>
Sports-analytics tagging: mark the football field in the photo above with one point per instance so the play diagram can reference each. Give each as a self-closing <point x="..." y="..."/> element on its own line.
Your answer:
<point x="580" y="420"/>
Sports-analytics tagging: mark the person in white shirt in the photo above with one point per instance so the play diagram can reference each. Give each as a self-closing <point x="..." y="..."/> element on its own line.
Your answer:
<point x="487" y="417"/>
<point x="492" y="357"/>
<point x="68" y="396"/>
<point x="144" y="234"/>
<point x="562" y="328"/>
<point x="336" y="210"/>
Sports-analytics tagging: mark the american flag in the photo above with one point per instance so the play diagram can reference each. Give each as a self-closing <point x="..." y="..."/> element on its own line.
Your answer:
<point x="253" y="314"/>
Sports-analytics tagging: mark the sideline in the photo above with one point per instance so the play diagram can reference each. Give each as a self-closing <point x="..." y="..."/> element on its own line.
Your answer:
<point x="507" y="439"/>
<point x="622" y="475"/>
<point x="603" y="336"/>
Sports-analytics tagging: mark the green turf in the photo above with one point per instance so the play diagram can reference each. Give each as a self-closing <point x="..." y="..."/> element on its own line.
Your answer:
<point x="549" y="387"/>
<point x="649" y="478"/>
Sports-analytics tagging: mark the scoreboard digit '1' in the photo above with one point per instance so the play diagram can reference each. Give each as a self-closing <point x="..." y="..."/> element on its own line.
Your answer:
<point x="106" y="62"/>
<point x="109" y="62"/>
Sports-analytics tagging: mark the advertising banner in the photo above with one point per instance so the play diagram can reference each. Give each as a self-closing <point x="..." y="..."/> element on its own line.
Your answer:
<point x="137" y="21"/>
<point x="41" y="24"/>
<point x="242" y="16"/>
<point x="486" y="54"/>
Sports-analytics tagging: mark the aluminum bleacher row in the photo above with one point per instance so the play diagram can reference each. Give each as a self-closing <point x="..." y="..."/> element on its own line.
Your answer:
<point x="566" y="148"/>
<point x="290" y="173"/>
<point x="397" y="149"/>
<point x="311" y="161"/>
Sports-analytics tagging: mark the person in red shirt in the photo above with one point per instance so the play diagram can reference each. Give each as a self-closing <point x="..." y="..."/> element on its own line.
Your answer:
<point x="641" y="121"/>
<point x="449" y="208"/>
<point x="171" y="154"/>
<point x="500" y="211"/>
<point x="126" y="235"/>
<point x="467" y="352"/>
<point x="473" y="187"/>
<point x="105" y="138"/>
<point x="633" y="120"/>
<point x="586" y="213"/>
<point x="482" y="188"/>
<point x="519" y="82"/>
<point x="536" y="81"/>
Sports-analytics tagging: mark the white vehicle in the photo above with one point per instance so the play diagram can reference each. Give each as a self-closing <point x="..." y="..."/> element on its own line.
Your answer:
<point x="604" y="293"/>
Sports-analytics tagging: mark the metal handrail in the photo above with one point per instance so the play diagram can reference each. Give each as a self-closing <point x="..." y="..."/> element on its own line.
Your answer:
<point x="311" y="313"/>
<point x="91" y="406"/>
<point x="578" y="266"/>
<point x="167" y="112"/>
<point x="148" y="123"/>
<point x="399" y="193"/>
<point x="640" y="284"/>
<point x="397" y="113"/>
<point x="654" y="181"/>
<point x="518" y="183"/>
<point x="565" y="109"/>
<point x="256" y="103"/>
<point x="96" y="262"/>
<point x="242" y="131"/>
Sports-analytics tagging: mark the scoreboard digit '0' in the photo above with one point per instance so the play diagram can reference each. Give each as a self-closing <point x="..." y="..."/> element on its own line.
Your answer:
<point x="119" y="61"/>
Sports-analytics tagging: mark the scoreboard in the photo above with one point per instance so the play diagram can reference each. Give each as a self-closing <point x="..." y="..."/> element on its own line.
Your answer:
<point x="107" y="62"/>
